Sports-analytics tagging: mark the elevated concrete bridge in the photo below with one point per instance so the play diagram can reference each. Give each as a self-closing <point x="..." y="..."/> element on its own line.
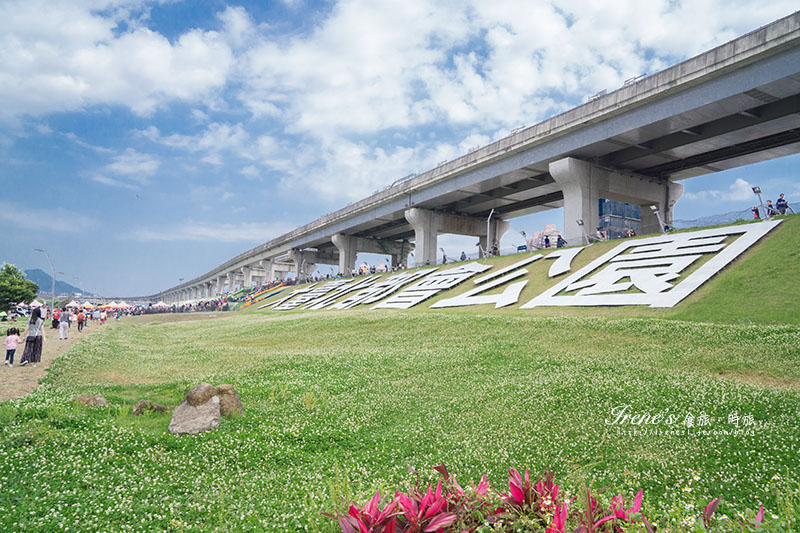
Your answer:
<point x="734" y="105"/>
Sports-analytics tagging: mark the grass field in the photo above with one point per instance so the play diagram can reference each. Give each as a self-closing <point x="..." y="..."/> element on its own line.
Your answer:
<point x="344" y="403"/>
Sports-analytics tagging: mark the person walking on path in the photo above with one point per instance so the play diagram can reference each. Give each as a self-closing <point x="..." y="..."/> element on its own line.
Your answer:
<point x="63" y="325"/>
<point x="81" y="318"/>
<point x="12" y="341"/>
<point x="34" y="339"/>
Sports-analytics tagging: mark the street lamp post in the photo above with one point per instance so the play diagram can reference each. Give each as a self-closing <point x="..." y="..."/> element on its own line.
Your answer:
<point x="579" y="222"/>
<point x="488" y="230"/>
<point x="757" y="191"/>
<point x="661" y="223"/>
<point x="53" y="293"/>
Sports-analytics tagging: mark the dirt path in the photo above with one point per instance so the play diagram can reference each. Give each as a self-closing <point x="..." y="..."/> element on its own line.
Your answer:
<point x="18" y="380"/>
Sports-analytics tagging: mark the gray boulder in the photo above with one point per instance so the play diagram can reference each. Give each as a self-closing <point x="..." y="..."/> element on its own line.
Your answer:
<point x="146" y="405"/>
<point x="188" y="418"/>
<point x="200" y="394"/>
<point x="229" y="401"/>
<point x="91" y="401"/>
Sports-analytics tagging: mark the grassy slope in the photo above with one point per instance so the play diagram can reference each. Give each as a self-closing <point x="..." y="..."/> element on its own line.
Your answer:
<point x="370" y="394"/>
<point x="761" y="286"/>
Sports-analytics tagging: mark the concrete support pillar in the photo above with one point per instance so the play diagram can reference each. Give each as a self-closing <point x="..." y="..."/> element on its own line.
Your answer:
<point x="583" y="184"/>
<point x="269" y="268"/>
<point x="347" y="252"/>
<point x="262" y="271"/>
<point x="247" y="276"/>
<point x="304" y="263"/>
<point x="425" y="235"/>
<point x="429" y="224"/>
<point x="220" y="284"/>
<point x="349" y="246"/>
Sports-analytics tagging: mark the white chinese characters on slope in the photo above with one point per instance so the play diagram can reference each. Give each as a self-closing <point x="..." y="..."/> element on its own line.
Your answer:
<point x="511" y="293"/>
<point x="368" y="291"/>
<point x="509" y="296"/>
<point x="431" y="285"/>
<point x="381" y="290"/>
<point x="650" y="265"/>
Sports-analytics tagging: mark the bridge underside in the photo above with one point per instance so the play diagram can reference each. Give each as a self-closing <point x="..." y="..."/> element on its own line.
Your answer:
<point x="757" y="125"/>
<point x="735" y="105"/>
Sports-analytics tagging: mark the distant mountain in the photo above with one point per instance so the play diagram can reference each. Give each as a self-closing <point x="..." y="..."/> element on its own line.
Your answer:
<point x="45" y="283"/>
<point x="713" y="220"/>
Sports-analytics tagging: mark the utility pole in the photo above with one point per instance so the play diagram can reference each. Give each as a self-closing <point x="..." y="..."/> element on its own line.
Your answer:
<point x="53" y="293"/>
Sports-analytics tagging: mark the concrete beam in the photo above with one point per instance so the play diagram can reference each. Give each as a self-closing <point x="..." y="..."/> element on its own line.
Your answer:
<point x="584" y="184"/>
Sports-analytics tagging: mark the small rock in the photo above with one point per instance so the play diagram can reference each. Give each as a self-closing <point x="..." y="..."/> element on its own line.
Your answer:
<point x="187" y="418"/>
<point x="91" y="401"/>
<point x="200" y="394"/>
<point x="229" y="401"/>
<point x="146" y="405"/>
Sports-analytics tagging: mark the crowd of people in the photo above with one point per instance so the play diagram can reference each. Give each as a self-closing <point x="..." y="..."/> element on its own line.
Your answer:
<point x="220" y="303"/>
<point x="780" y="207"/>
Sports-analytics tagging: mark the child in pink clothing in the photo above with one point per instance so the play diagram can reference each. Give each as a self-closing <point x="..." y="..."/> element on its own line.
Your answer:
<point x="12" y="341"/>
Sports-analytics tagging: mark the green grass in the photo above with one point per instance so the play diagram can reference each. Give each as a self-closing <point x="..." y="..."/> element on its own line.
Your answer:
<point x="762" y="286"/>
<point x="346" y="402"/>
<point x="366" y="395"/>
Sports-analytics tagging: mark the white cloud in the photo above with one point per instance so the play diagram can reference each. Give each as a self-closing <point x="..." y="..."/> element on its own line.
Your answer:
<point x="49" y="220"/>
<point x="365" y="70"/>
<point x="64" y="56"/>
<point x="134" y="164"/>
<point x="739" y="191"/>
<point x="83" y="144"/>
<point x="213" y="141"/>
<point x="249" y="232"/>
<point x="130" y="170"/>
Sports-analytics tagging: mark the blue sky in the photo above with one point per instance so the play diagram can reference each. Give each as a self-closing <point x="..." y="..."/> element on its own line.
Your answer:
<point x="146" y="141"/>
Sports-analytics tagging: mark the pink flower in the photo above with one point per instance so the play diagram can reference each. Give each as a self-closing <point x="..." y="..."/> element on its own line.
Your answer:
<point x="618" y="506"/>
<point x="559" y="520"/>
<point x="760" y="517"/>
